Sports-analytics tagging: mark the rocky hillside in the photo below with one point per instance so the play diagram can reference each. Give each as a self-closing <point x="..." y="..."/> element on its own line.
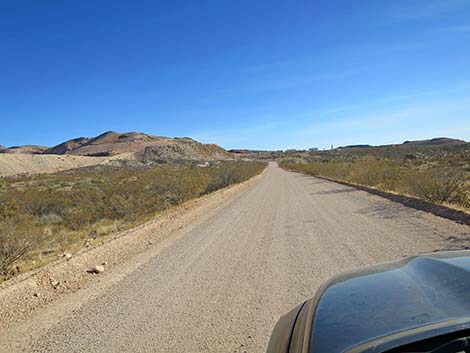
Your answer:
<point x="140" y="146"/>
<point x="67" y="146"/>
<point x="130" y="145"/>
<point x="186" y="149"/>
<point x="107" y="144"/>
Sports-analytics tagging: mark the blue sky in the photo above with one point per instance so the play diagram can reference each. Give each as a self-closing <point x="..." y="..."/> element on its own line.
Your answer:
<point x="243" y="74"/>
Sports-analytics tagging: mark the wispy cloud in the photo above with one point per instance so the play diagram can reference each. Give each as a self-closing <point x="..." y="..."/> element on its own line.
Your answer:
<point x="248" y="136"/>
<point x="459" y="29"/>
<point x="266" y="85"/>
<point x="410" y="120"/>
<point x="258" y="84"/>
<point x="462" y="88"/>
<point x="427" y="9"/>
<point x="267" y="66"/>
<point x="371" y="120"/>
<point x="392" y="119"/>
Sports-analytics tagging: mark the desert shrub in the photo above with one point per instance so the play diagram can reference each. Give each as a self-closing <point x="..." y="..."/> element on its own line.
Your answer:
<point x="333" y="169"/>
<point x="463" y="197"/>
<point x="437" y="185"/>
<point x="50" y="218"/>
<point x="227" y="173"/>
<point x="16" y="240"/>
<point x="371" y="171"/>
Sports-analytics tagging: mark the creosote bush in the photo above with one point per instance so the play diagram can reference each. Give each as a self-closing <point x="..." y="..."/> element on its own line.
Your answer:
<point x="437" y="185"/>
<point x="15" y="241"/>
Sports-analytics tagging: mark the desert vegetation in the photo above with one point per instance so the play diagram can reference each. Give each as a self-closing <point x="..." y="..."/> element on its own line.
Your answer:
<point x="439" y="175"/>
<point x="44" y="216"/>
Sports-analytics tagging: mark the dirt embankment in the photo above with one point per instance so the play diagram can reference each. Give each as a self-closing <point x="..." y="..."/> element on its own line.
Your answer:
<point x="15" y="164"/>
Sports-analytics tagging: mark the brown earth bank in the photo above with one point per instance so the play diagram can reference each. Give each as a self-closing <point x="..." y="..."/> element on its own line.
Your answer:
<point x="15" y="164"/>
<point x="219" y="283"/>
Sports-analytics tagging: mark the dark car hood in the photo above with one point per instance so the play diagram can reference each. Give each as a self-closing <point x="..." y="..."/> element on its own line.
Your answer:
<point x="382" y="300"/>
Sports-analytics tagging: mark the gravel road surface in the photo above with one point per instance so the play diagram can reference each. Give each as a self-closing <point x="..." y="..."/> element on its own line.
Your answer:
<point x="222" y="286"/>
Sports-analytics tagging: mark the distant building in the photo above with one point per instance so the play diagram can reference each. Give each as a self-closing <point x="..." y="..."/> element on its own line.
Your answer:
<point x="313" y="149"/>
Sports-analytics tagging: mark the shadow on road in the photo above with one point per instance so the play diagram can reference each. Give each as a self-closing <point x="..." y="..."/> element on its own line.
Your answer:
<point x="332" y="192"/>
<point x="380" y="210"/>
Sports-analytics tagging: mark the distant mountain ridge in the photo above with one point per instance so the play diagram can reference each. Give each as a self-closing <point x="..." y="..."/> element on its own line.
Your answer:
<point x="434" y="141"/>
<point x="438" y="141"/>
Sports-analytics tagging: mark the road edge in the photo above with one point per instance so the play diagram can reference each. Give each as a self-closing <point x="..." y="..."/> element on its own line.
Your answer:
<point x="409" y="201"/>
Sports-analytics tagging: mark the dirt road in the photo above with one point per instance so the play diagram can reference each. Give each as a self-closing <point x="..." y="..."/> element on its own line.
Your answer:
<point x="222" y="286"/>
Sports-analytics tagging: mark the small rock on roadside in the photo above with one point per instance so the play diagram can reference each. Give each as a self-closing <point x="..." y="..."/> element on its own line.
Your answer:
<point x="67" y="255"/>
<point x="96" y="269"/>
<point x="55" y="283"/>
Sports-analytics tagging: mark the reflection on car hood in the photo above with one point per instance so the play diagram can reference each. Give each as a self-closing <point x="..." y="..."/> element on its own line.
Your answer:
<point x="382" y="300"/>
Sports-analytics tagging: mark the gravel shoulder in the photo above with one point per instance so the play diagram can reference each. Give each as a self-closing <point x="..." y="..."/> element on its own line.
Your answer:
<point x="225" y="271"/>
